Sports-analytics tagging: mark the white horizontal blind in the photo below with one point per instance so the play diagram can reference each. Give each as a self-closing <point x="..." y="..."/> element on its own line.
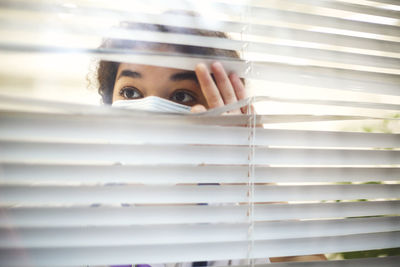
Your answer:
<point x="69" y="203"/>
<point x="84" y="185"/>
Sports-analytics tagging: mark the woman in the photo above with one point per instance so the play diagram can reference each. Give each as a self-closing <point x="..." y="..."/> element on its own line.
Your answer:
<point x="196" y="91"/>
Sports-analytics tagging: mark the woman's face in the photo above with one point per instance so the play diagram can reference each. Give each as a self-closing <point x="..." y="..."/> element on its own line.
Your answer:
<point x="137" y="81"/>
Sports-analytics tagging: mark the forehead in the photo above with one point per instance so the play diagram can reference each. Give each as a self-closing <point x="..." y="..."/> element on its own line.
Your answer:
<point x="147" y="69"/>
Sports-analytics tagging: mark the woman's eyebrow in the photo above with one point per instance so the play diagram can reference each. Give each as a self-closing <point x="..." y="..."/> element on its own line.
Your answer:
<point x="185" y="75"/>
<point x="129" y="73"/>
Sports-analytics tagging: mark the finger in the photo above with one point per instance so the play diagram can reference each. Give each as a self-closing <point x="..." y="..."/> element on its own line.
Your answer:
<point x="208" y="87"/>
<point x="198" y="108"/>
<point x="239" y="89"/>
<point x="223" y="83"/>
<point x="238" y="86"/>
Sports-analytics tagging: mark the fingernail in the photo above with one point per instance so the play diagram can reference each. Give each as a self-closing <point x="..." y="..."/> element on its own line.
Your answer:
<point x="233" y="75"/>
<point x="217" y="64"/>
<point x="201" y="67"/>
<point x="198" y="108"/>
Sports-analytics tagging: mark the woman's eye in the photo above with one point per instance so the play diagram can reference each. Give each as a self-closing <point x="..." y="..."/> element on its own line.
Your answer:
<point x="183" y="97"/>
<point x="130" y="93"/>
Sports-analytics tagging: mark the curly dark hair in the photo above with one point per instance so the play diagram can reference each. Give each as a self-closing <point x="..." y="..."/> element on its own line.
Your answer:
<point x="107" y="70"/>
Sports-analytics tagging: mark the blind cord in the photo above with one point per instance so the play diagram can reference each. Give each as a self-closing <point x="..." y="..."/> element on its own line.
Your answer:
<point x="250" y="184"/>
<point x="251" y="141"/>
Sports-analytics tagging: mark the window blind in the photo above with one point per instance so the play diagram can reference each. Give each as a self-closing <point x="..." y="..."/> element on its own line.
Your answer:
<point x="315" y="171"/>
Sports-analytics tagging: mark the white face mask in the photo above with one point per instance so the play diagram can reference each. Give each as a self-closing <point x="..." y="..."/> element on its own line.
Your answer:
<point x="152" y="104"/>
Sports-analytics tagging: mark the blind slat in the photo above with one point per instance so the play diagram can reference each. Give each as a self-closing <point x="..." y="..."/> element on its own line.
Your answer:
<point x="97" y="129"/>
<point x="119" y="194"/>
<point x="32" y="108"/>
<point x="181" y="234"/>
<point x="211" y="117"/>
<point x="334" y="5"/>
<point x="170" y="174"/>
<point x="391" y="2"/>
<point x="78" y="216"/>
<point x="111" y="255"/>
<point x="187" y="154"/>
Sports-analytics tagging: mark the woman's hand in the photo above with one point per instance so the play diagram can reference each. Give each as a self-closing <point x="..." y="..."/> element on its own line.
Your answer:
<point x="226" y="89"/>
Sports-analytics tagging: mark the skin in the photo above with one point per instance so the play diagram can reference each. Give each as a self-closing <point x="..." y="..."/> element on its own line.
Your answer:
<point x="196" y="89"/>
